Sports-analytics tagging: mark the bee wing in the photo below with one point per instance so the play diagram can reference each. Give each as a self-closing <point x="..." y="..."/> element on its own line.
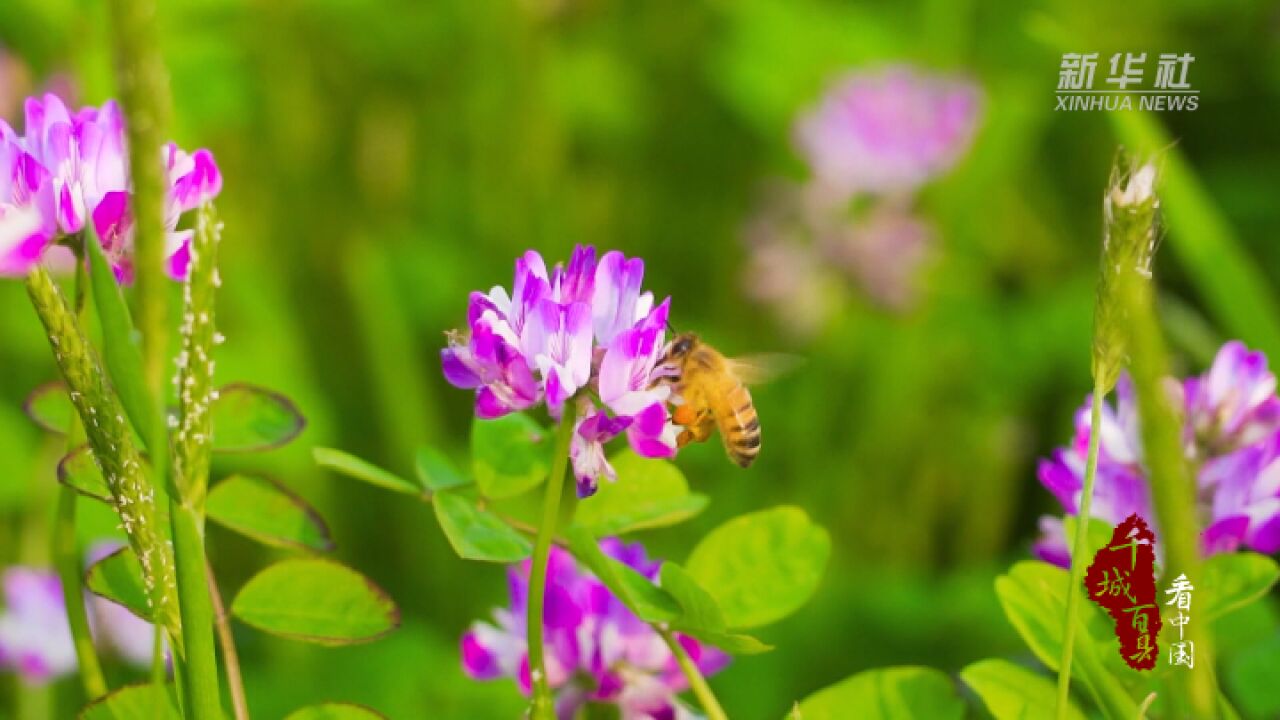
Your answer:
<point x="763" y="368"/>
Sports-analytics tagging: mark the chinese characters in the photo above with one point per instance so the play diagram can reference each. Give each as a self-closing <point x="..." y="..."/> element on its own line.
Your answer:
<point x="1182" y="652"/>
<point x="1126" y="75"/>
<point x="1122" y="581"/>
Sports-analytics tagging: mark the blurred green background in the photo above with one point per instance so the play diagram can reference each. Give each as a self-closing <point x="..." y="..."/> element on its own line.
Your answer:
<point x="382" y="159"/>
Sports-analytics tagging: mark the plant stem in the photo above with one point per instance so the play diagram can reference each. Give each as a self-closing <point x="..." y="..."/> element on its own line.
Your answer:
<point x="230" y="658"/>
<point x="543" y="704"/>
<point x="66" y="558"/>
<point x="203" y="700"/>
<point x="66" y="548"/>
<point x="1080" y="547"/>
<point x="697" y="683"/>
<point x="1173" y="494"/>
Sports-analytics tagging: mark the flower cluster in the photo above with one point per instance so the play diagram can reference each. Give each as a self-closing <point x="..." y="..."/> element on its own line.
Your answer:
<point x="1231" y="432"/>
<point x="35" y="639"/>
<point x="598" y="651"/>
<point x="871" y="142"/>
<point x="887" y="132"/>
<point x="70" y="170"/>
<point x="582" y="333"/>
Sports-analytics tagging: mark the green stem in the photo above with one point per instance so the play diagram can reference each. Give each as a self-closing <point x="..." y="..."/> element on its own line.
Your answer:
<point x="697" y="683"/>
<point x="203" y="699"/>
<point x="1173" y="494"/>
<point x="543" y="703"/>
<point x="1079" y="548"/>
<point x="66" y="548"/>
<point x="66" y="557"/>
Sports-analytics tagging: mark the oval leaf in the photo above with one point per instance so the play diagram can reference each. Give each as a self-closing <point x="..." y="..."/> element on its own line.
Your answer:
<point x="1233" y="580"/>
<point x="80" y="472"/>
<point x="118" y="578"/>
<point x="1033" y="595"/>
<point x="135" y="701"/>
<point x="509" y="455"/>
<point x="435" y="472"/>
<point x="49" y="407"/>
<point x="477" y="534"/>
<point x="896" y="693"/>
<point x="353" y="467"/>
<point x="762" y="566"/>
<point x="247" y="418"/>
<point x="317" y="601"/>
<point x="698" y="609"/>
<point x="648" y="493"/>
<point x="335" y="711"/>
<point x="1012" y="692"/>
<point x="268" y="512"/>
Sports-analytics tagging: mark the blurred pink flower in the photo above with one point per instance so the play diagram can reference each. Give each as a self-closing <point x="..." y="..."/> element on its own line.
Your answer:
<point x="35" y="638"/>
<point x="884" y="251"/>
<point x="887" y="131"/>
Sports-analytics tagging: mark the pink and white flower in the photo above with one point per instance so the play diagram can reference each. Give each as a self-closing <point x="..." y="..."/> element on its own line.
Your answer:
<point x="73" y="170"/>
<point x="1232" y="429"/>
<point x="558" y="336"/>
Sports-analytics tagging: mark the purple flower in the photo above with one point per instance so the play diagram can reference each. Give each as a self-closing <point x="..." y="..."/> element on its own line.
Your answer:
<point x="1235" y="403"/>
<point x="887" y="131"/>
<point x="1233" y="437"/>
<point x="557" y="336"/>
<point x="27" y="222"/>
<point x="35" y="640"/>
<point x="73" y="169"/>
<point x="597" y="650"/>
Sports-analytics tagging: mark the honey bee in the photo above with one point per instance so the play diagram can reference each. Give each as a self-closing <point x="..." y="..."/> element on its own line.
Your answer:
<point x="714" y="396"/>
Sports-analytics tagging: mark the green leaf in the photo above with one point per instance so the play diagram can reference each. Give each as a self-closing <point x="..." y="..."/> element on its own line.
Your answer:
<point x="1033" y="596"/>
<point x="1251" y="678"/>
<point x="648" y="493"/>
<point x="477" y="534"/>
<point x="135" y="702"/>
<point x="118" y="578"/>
<point x="762" y="566"/>
<point x="698" y="609"/>
<point x="509" y="455"/>
<point x="1012" y="692"/>
<point x="436" y="473"/>
<point x="80" y="472"/>
<point x="895" y="693"/>
<point x="335" y="711"/>
<point x="733" y="643"/>
<point x="648" y="601"/>
<point x="247" y="418"/>
<point x="316" y="600"/>
<point x="363" y="470"/>
<point x="268" y="512"/>
<point x="122" y="353"/>
<point x="49" y="407"/>
<point x="1233" y="580"/>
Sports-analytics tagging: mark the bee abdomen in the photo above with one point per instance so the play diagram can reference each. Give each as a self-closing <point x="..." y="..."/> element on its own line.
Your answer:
<point x="742" y="434"/>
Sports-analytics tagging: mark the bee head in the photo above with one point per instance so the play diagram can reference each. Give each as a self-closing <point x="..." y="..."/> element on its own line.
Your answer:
<point x="683" y="344"/>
